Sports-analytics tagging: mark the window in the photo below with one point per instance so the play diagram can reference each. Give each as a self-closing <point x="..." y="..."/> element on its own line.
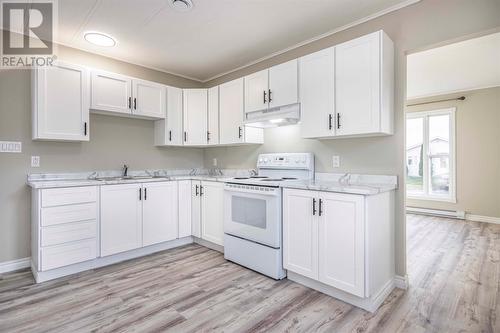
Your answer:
<point x="430" y="155"/>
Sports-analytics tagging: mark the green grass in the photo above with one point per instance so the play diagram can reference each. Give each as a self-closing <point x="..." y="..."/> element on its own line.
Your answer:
<point x="414" y="180"/>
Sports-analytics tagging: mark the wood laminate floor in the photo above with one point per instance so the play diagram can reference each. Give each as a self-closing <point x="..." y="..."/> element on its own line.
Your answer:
<point x="454" y="287"/>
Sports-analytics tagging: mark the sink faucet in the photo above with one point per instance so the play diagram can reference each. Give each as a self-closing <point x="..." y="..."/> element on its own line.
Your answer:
<point x="345" y="179"/>
<point x="125" y="170"/>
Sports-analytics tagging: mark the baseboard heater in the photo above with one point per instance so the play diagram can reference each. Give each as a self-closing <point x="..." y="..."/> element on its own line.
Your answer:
<point x="437" y="212"/>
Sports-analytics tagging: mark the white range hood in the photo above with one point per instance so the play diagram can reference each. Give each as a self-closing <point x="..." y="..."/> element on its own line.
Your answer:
<point x="280" y="116"/>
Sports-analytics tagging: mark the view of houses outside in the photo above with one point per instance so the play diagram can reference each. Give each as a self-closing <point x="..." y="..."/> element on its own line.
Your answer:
<point x="438" y="155"/>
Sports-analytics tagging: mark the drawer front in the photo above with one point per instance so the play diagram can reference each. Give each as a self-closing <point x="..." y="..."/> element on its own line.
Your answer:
<point x="67" y="254"/>
<point x="70" y="232"/>
<point x="70" y="213"/>
<point x="68" y="196"/>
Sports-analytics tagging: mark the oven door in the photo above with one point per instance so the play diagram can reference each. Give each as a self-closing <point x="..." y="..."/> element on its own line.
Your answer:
<point x="253" y="213"/>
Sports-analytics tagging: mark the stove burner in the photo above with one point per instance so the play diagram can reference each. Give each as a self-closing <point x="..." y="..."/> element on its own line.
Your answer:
<point x="288" y="178"/>
<point x="259" y="177"/>
<point x="241" y="178"/>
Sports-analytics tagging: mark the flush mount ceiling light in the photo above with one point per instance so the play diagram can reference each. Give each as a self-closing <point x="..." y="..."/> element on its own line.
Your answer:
<point x="99" y="39"/>
<point x="181" y="5"/>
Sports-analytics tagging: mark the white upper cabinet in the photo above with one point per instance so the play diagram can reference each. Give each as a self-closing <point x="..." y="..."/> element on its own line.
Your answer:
<point x="213" y="116"/>
<point x="256" y="91"/>
<point x="122" y="95"/>
<point x="273" y="87"/>
<point x="111" y="92"/>
<point x="283" y="84"/>
<point x="169" y="131"/>
<point x="159" y="212"/>
<point x="149" y="99"/>
<point x="60" y="103"/>
<point x="348" y="90"/>
<point x="195" y="116"/>
<point x="231" y="128"/>
<point x="363" y="85"/>
<point x="316" y="86"/>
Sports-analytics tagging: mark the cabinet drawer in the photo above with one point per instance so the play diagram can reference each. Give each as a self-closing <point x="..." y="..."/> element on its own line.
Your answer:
<point x="70" y="232"/>
<point x="70" y="213"/>
<point x="68" y="196"/>
<point x="67" y="254"/>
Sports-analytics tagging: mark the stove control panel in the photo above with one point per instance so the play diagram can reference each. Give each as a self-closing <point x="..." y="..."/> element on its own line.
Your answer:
<point x="286" y="161"/>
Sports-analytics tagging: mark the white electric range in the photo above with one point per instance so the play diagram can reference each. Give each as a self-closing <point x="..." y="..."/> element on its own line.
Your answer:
<point x="252" y="212"/>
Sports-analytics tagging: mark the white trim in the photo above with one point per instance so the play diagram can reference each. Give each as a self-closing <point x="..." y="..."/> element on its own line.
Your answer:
<point x="326" y="34"/>
<point x="269" y="56"/>
<point x="480" y="218"/>
<point x="401" y="282"/>
<point x="436" y="212"/>
<point x="14" y="265"/>
<point x="370" y="304"/>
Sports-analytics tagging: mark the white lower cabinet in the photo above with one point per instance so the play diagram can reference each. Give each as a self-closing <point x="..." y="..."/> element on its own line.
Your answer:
<point x="207" y="211"/>
<point x="344" y="241"/>
<point x="184" y="207"/>
<point x="121" y="218"/>
<point x="159" y="213"/>
<point x="212" y="201"/>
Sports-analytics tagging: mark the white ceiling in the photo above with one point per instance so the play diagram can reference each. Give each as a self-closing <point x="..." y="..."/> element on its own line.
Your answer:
<point x="215" y="37"/>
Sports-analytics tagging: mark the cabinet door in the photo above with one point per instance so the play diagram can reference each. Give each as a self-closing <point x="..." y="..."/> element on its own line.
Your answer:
<point x="61" y="103"/>
<point x="149" y="99"/>
<point x="111" y="92"/>
<point x="231" y="112"/>
<point x="169" y="132"/>
<point x="300" y="233"/>
<point x="256" y="91"/>
<point x="159" y="212"/>
<point x="195" y="209"/>
<point x="212" y="214"/>
<point x="184" y="200"/>
<point x="195" y="116"/>
<point x="357" y="85"/>
<point x="316" y="88"/>
<point x="213" y="116"/>
<point x="341" y="242"/>
<point x="283" y="84"/>
<point x="121" y="218"/>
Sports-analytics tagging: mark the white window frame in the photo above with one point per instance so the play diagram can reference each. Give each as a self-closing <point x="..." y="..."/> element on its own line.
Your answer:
<point x="427" y="195"/>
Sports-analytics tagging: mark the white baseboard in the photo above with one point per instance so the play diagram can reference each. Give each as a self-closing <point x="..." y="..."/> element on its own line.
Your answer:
<point x="480" y="218"/>
<point x="14" y="265"/>
<point x="401" y="282"/>
<point x="436" y="212"/>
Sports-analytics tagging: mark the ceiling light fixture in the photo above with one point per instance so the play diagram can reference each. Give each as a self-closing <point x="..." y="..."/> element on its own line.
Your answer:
<point x="99" y="39"/>
<point x="181" y="5"/>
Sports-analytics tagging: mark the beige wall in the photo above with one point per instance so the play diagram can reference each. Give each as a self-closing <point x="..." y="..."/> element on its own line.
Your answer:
<point x="477" y="153"/>
<point x="425" y="23"/>
<point x="113" y="141"/>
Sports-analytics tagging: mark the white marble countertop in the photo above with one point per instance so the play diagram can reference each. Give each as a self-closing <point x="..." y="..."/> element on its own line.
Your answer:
<point x="328" y="182"/>
<point x="40" y="181"/>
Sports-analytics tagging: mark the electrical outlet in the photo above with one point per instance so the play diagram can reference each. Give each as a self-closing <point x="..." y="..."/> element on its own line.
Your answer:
<point x="336" y="161"/>
<point x="35" y="161"/>
<point x="214" y="162"/>
<point x="10" y="147"/>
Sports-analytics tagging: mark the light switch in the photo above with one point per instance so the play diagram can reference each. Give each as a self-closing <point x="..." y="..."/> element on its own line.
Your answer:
<point x="35" y="161"/>
<point x="214" y="162"/>
<point x="10" y="147"/>
<point x="336" y="161"/>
